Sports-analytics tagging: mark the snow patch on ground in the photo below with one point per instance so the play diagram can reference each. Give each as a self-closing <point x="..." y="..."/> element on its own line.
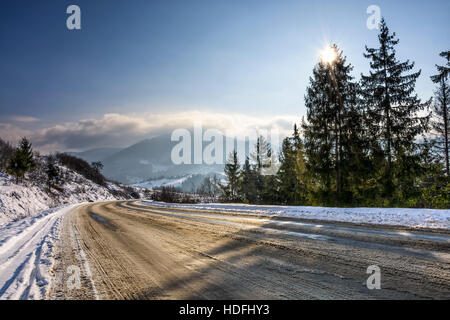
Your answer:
<point x="423" y="218"/>
<point x="26" y="248"/>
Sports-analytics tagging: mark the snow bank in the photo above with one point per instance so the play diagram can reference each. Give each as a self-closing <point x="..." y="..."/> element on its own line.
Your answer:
<point x="424" y="218"/>
<point x="26" y="248"/>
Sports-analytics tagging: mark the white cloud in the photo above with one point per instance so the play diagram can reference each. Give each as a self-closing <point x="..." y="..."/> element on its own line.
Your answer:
<point x="23" y="119"/>
<point x="118" y="130"/>
<point x="13" y="133"/>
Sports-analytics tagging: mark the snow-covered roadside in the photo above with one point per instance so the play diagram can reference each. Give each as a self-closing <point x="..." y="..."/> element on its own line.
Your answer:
<point x="29" y="197"/>
<point x="415" y="218"/>
<point x="26" y="248"/>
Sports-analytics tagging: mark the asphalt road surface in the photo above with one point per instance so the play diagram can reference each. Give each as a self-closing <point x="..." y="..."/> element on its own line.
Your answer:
<point x="125" y="250"/>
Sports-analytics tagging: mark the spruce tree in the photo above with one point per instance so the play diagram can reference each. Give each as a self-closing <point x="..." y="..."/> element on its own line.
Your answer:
<point x="22" y="160"/>
<point x="286" y="174"/>
<point x="443" y="71"/>
<point x="317" y="133"/>
<point x="248" y="183"/>
<point x="232" y="173"/>
<point x="270" y="190"/>
<point x="296" y="139"/>
<point x="331" y="117"/>
<point x="262" y="159"/>
<point x="302" y="181"/>
<point x="53" y="172"/>
<point x="441" y="120"/>
<point x="393" y="109"/>
<point x="291" y="176"/>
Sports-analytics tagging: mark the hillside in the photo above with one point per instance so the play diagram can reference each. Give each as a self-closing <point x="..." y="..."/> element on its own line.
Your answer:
<point x="32" y="195"/>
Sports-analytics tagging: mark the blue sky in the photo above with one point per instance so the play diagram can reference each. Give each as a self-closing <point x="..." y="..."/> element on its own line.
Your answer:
<point x="224" y="56"/>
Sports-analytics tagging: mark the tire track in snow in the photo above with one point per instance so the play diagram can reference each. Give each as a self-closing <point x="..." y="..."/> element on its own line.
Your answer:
<point x="26" y="250"/>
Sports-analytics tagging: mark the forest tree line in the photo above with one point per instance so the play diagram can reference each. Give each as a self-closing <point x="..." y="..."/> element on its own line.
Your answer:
<point x="370" y="142"/>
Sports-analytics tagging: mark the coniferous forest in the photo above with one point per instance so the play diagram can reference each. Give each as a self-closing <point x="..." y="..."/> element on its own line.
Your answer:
<point x="370" y="142"/>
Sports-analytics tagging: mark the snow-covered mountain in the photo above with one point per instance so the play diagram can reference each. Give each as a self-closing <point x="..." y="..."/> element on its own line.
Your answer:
<point x="146" y="162"/>
<point x="188" y="183"/>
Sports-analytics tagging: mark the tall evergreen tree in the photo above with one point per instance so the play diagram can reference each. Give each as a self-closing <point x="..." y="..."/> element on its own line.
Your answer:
<point x="262" y="159"/>
<point x="441" y="120"/>
<point x="292" y="171"/>
<point x="53" y="172"/>
<point x="262" y="155"/>
<point x="332" y="116"/>
<point x="286" y="175"/>
<point x="317" y="133"/>
<point x="302" y="179"/>
<point x="22" y="161"/>
<point x="392" y="108"/>
<point x="248" y="182"/>
<point x="232" y="173"/>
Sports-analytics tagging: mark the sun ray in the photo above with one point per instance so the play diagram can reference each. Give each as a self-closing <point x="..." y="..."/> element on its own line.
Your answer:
<point x="328" y="55"/>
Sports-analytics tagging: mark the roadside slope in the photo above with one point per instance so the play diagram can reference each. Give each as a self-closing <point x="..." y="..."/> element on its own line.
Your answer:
<point x="32" y="196"/>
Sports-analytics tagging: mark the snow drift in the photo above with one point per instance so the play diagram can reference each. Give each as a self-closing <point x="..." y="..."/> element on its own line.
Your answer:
<point x="424" y="218"/>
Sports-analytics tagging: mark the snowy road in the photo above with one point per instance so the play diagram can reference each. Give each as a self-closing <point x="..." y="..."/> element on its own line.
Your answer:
<point x="26" y="248"/>
<point x="128" y="250"/>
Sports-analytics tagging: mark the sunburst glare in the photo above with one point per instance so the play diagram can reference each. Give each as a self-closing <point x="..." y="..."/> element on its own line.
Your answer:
<point x="328" y="55"/>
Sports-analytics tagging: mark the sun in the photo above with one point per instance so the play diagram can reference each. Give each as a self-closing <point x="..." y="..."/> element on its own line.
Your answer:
<point x="328" y="55"/>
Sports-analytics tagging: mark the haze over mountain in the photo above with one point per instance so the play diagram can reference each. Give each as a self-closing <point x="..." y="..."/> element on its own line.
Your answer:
<point x="149" y="163"/>
<point x="96" y="154"/>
